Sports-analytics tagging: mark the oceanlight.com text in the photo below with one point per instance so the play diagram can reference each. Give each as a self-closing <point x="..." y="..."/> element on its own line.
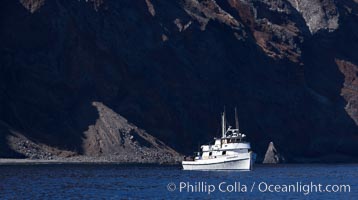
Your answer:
<point x="263" y="187"/>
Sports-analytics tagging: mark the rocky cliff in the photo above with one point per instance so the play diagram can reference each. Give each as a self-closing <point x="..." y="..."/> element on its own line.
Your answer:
<point x="171" y="66"/>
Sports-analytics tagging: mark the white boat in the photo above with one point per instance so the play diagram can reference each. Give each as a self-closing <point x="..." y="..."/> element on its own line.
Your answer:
<point x="230" y="152"/>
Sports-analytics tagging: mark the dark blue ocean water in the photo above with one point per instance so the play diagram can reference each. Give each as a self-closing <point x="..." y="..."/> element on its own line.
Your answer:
<point x="151" y="182"/>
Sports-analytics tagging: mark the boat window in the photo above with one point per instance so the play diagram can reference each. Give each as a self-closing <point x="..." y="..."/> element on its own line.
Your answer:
<point x="224" y="152"/>
<point x="211" y="153"/>
<point x="233" y="140"/>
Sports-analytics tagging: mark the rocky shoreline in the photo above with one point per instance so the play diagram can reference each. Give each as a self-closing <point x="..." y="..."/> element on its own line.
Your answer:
<point x="39" y="153"/>
<point x="77" y="160"/>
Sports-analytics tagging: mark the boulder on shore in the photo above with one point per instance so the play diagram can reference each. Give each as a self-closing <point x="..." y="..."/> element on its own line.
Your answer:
<point x="272" y="156"/>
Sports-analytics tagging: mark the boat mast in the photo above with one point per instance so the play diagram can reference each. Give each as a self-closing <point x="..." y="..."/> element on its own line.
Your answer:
<point x="236" y="121"/>
<point x="223" y="125"/>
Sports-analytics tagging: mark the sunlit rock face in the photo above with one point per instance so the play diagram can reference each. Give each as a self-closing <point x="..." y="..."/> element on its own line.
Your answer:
<point x="113" y="136"/>
<point x="350" y="87"/>
<point x="170" y="67"/>
<point x="319" y="15"/>
<point x="32" y="5"/>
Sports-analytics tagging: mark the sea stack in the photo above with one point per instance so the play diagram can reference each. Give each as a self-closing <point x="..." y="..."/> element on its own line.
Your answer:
<point x="272" y="156"/>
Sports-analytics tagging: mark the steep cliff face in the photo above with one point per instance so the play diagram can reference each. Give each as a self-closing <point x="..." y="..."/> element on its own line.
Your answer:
<point x="171" y="66"/>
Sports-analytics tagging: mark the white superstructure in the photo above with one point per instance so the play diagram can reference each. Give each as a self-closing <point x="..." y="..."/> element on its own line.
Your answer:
<point x="230" y="152"/>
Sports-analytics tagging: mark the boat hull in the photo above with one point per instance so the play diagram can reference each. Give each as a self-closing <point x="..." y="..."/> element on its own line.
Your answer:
<point x="243" y="161"/>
